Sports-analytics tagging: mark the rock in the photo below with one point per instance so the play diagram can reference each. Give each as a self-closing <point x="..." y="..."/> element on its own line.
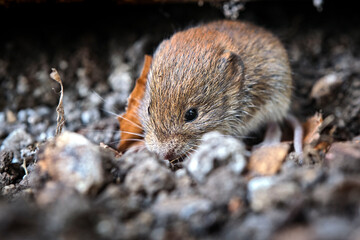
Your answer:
<point x="137" y="228"/>
<point x="21" y="220"/>
<point x="325" y="85"/>
<point x="119" y="202"/>
<point x="256" y="226"/>
<point x="22" y="86"/>
<point x="149" y="176"/>
<point x="120" y="79"/>
<point x="216" y="150"/>
<point x="74" y="161"/>
<point x="17" y="140"/>
<point x="129" y="160"/>
<point x="344" y="156"/>
<point x="332" y="228"/>
<point x="307" y="177"/>
<point x="90" y="116"/>
<point x="297" y="232"/>
<point x="9" y="172"/>
<point x="265" y="192"/>
<point x="256" y="185"/>
<point x="2" y="117"/>
<point x="115" y="101"/>
<point x="339" y="191"/>
<point x="30" y="116"/>
<point x="200" y="213"/>
<point x="184" y="184"/>
<point x="222" y="185"/>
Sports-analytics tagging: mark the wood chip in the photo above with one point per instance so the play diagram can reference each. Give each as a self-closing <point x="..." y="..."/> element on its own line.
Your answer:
<point x="312" y="129"/>
<point x="268" y="159"/>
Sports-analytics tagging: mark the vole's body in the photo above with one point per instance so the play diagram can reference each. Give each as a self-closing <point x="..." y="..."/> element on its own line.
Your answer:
<point x="234" y="74"/>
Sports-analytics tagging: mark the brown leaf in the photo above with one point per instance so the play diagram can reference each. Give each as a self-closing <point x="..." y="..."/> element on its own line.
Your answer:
<point x="268" y="159"/>
<point x="129" y="121"/>
<point x="312" y="129"/>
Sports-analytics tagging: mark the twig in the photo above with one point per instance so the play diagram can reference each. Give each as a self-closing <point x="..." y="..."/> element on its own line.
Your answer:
<point x="23" y="165"/>
<point x="60" y="120"/>
<point x="116" y="153"/>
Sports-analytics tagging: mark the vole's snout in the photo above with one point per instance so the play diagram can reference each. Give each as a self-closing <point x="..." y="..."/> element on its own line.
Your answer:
<point x="170" y="154"/>
<point x="168" y="148"/>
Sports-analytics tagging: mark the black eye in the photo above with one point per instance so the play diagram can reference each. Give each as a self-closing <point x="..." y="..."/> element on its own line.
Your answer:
<point x="191" y="114"/>
<point x="149" y="110"/>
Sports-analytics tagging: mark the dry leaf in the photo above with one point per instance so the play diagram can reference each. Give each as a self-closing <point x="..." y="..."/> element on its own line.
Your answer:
<point x="268" y="159"/>
<point x="129" y="121"/>
<point x="60" y="120"/>
<point x="312" y="129"/>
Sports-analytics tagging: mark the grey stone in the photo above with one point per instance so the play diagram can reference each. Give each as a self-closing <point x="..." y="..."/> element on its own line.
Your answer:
<point x="181" y="207"/>
<point x="149" y="176"/>
<point x="74" y="161"/>
<point x="264" y="192"/>
<point x="216" y="150"/>
<point x="221" y="185"/>
<point x="17" y="139"/>
<point x="90" y="116"/>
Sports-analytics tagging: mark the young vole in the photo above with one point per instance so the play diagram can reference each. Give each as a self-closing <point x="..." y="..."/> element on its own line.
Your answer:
<point x="226" y="76"/>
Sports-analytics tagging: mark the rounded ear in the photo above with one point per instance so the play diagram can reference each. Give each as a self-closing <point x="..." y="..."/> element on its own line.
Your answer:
<point x="231" y="63"/>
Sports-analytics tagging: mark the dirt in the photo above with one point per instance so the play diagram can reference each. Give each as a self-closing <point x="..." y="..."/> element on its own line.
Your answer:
<point x="70" y="188"/>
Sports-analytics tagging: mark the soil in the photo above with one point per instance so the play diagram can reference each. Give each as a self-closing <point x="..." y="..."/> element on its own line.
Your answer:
<point x="70" y="188"/>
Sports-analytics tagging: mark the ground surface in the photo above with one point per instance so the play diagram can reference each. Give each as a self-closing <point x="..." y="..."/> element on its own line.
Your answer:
<point x="75" y="190"/>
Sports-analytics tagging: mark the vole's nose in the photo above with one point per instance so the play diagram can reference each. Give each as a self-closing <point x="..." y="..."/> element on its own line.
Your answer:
<point x="170" y="155"/>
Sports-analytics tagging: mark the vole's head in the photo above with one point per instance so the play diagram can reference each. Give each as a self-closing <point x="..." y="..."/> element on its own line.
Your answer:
<point x="192" y="88"/>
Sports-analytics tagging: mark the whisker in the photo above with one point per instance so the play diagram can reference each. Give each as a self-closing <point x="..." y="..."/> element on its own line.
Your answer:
<point x="132" y="139"/>
<point x="136" y="134"/>
<point x="120" y="116"/>
<point x="104" y="110"/>
<point x="98" y="95"/>
<point x="109" y="112"/>
<point x="138" y="147"/>
<point x="127" y="140"/>
<point x="101" y="131"/>
<point x="135" y="124"/>
<point x="117" y="115"/>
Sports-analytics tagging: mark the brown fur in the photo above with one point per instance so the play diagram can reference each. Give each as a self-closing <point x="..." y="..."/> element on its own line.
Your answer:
<point x="236" y="74"/>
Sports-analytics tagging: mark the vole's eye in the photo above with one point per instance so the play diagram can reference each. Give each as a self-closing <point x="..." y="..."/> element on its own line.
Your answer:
<point x="191" y="115"/>
<point x="149" y="110"/>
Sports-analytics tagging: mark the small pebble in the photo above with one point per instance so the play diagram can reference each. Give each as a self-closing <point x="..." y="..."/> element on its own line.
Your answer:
<point x="74" y="161"/>
<point x="216" y="150"/>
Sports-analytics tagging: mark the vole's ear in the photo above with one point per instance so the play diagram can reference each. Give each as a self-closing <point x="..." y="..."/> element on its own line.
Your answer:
<point x="231" y="63"/>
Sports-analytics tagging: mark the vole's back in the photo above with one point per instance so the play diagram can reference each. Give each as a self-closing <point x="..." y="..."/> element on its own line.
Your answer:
<point x="267" y="75"/>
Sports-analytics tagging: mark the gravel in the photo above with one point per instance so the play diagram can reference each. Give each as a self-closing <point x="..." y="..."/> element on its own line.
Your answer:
<point x="69" y="187"/>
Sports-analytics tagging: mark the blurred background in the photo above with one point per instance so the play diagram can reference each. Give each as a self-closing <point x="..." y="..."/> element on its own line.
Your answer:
<point x="98" y="49"/>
